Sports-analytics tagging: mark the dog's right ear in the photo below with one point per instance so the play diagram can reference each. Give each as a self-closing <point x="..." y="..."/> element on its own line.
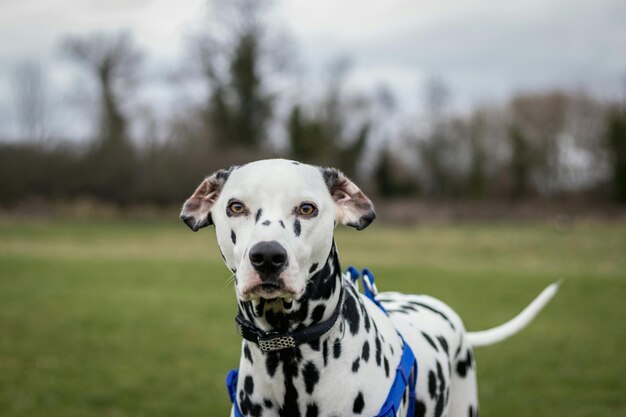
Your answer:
<point x="196" y="212"/>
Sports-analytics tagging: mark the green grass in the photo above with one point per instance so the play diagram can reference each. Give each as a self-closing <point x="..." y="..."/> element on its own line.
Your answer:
<point x="126" y="318"/>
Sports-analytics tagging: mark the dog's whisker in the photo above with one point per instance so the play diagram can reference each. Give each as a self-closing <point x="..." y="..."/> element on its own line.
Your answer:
<point x="229" y="281"/>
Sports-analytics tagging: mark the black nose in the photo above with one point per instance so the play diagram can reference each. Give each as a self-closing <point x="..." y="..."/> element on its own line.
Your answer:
<point x="268" y="257"/>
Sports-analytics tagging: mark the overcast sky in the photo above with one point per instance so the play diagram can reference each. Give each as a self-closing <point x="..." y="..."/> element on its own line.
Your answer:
<point x="484" y="49"/>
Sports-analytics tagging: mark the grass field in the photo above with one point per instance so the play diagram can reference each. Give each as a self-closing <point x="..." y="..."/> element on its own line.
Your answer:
<point x="123" y="318"/>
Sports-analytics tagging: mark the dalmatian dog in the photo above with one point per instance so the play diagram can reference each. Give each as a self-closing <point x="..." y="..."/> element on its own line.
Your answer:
<point x="274" y="222"/>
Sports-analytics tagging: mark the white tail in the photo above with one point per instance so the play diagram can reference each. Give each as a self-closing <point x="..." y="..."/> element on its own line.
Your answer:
<point x="503" y="331"/>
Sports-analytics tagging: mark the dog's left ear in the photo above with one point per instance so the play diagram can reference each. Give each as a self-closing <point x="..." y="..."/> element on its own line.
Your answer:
<point x="353" y="207"/>
<point x="196" y="212"/>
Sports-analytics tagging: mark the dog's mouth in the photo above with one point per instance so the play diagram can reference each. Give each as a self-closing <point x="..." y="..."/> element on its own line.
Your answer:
<point x="271" y="289"/>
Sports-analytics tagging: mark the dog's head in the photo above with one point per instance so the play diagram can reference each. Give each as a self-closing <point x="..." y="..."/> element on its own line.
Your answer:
<point x="274" y="222"/>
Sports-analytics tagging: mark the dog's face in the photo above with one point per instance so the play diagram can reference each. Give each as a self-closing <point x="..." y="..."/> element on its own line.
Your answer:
<point x="274" y="222"/>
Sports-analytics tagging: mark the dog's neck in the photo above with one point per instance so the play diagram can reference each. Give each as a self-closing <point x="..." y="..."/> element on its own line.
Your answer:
<point x="322" y="296"/>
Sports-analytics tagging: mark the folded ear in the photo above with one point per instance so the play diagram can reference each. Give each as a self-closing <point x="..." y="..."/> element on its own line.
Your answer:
<point x="353" y="207"/>
<point x="196" y="212"/>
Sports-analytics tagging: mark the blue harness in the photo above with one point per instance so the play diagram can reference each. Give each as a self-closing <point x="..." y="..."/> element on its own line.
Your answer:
<point x="406" y="372"/>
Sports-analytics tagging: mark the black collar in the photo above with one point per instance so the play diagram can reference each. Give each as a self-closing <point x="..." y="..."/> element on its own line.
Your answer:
<point x="269" y="341"/>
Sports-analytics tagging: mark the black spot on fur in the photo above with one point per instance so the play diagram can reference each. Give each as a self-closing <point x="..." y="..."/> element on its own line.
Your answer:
<point x="430" y="341"/>
<point x="290" y="406"/>
<point x="248" y="385"/>
<point x="233" y="237"/>
<point x="420" y="409"/>
<point x="271" y="363"/>
<point x="463" y="365"/>
<point x="312" y="268"/>
<point x="268" y="403"/>
<point x="266" y="223"/>
<point x="311" y="376"/>
<point x="297" y="228"/>
<point x="470" y="411"/>
<point x="257" y="216"/>
<point x="355" y="365"/>
<point x="311" y="410"/>
<point x="432" y="384"/>
<point x="443" y="343"/>
<point x="325" y="352"/>
<point x="378" y="351"/>
<point x="337" y="348"/>
<point x="351" y="314"/>
<point x="386" y="363"/>
<point x="295" y="163"/>
<point x="290" y="360"/>
<point x="442" y="389"/>
<point x="323" y="282"/>
<point x="247" y="406"/>
<point x="318" y="313"/>
<point x="365" y="353"/>
<point x="359" y="403"/>
<point x="409" y="307"/>
<point x="281" y="224"/>
<point x="434" y="310"/>
<point x="247" y="354"/>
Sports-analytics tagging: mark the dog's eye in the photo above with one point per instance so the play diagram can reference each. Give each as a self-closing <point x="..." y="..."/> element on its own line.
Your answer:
<point x="307" y="209"/>
<point x="236" y="207"/>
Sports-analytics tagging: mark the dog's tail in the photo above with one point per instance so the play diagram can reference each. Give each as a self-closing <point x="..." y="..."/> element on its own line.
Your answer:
<point x="503" y="331"/>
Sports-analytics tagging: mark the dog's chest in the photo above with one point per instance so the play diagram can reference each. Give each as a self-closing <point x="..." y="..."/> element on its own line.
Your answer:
<point x="348" y="371"/>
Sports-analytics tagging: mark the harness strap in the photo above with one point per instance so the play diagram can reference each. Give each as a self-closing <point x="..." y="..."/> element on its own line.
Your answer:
<point x="406" y="376"/>
<point x="369" y="286"/>
<point x="231" y="386"/>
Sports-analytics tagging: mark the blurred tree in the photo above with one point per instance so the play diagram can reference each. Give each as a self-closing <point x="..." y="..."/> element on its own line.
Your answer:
<point x="383" y="174"/>
<point x="113" y="61"/>
<point x="335" y="131"/>
<point x="538" y="121"/>
<point x="32" y="101"/>
<point x="438" y="149"/>
<point x="238" y="108"/>
<point x="520" y="163"/>
<point x="306" y="137"/>
<point x="584" y="160"/>
<point x="391" y="177"/>
<point x="616" y="140"/>
<point x="477" y="174"/>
